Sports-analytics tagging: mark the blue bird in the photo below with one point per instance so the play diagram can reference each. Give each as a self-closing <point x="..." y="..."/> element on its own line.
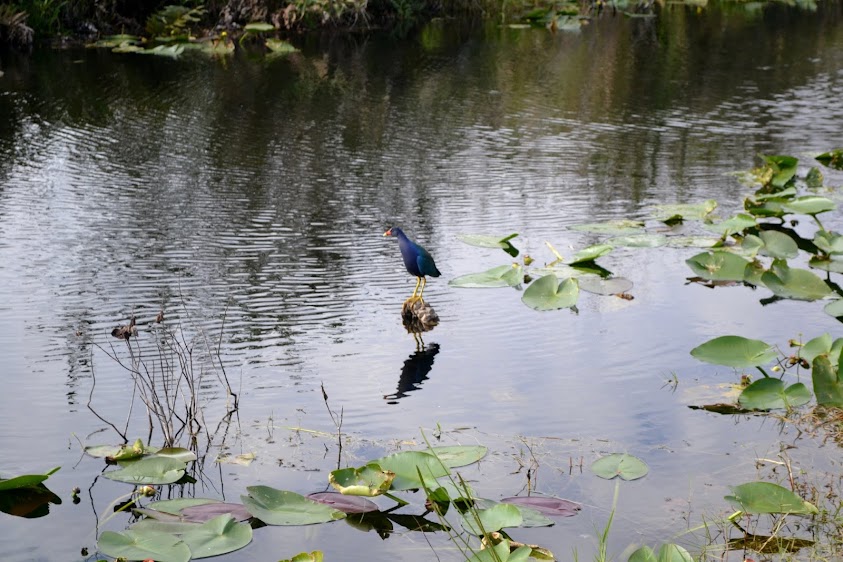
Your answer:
<point x="416" y="259"/>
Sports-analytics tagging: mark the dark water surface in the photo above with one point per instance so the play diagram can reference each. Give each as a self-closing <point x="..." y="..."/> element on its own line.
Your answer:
<point x="247" y="198"/>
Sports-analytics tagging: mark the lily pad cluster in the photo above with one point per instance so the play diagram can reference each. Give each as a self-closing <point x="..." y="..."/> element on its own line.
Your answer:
<point x="559" y="282"/>
<point x="142" y="464"/>
<point x="821" y="355"/>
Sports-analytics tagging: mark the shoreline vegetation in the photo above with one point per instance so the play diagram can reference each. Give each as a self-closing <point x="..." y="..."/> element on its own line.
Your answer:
<point x="26" y="23"/>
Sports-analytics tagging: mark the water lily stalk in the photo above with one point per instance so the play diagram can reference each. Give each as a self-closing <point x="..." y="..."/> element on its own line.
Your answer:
<point x="763" y="372"/>
<point x="396" y="499"/>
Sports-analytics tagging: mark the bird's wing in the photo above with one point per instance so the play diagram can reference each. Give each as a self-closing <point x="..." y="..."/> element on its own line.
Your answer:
<point x="425" y="263"/>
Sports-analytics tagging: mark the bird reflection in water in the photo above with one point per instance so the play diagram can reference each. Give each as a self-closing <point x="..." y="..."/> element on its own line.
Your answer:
<point x="417" y="318"/>
<point x="414" y="372"/>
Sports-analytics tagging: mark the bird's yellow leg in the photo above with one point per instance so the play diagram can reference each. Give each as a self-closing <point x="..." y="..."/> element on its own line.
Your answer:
<point x="418" y="280"/>
<point x="424" y="282"/>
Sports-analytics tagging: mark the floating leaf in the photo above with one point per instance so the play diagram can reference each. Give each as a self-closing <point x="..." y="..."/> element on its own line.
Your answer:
<point x="667" y="553"/>
<point x="735" y="351"/>
<point x="344" y="503"/>
<point x="638" y="241"/>
<point x="315" y="556"/>
<point x="258" y="27"/>
<point x="150" y="470"/>
<point x="208" y="511"/>
<point x="280" y="47"/>
<point x="686" y="210"/>
<point x="834" y="308"/>
<point x="547" y="293"/>
<point x="768" y="545"/>
<point x="828" y="385"/>
<point x="501" y="276"/>
<point x="486" y="241"/>
<point x="794" y="283"/>
<point x="826" y="264"/>
<point x="546" y="505"/>
<point x="832" y="158"/>
<point x="766" y="497"/>
<point x="454" y="456"/>
<point x="738" y="223"/>
<point x="24" y="481"/>
<point x="719" y="266"/>
<point x="370" y="480"/>
<point x="591" y="253"/>
<point x="600" y="286"/>
<point x="177" y="453"/>
<point x="280" y="507"/>
<point x="783" y="169"/>
<point x="175" y="506"/>
<point x="408" y="464"/>
<point x="174" y="527"/>
<point x="693" y="242"/>
<point x="817" y="346"/>
<point x="220" y="535"/>
<point x="778" y="245"/>
<point x="498" y="553"/>
<point x="809" y="205"/>
<point x="143" y="545"/>
<point x="770" y="393"/>
<point x="534" y="518"/>
<point x="626" y="466"/>
<point x="829" y="242"/>
<point x="618" y="227"/>
<point x="494" y="518"/>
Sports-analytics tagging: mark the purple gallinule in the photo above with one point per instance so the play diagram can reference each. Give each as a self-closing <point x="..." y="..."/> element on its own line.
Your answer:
<point x="417" y="260"/>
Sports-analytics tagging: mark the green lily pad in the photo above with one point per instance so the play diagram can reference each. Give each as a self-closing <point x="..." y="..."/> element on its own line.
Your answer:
<point x="175" y="506"/>
<point x="766" y="497"/>
<point x="498" y="553"/>
<point x="501" y="276"/>
<point x="735" y="351"/>
<point x="809" y="205"/>
<point x="794" y="283"/>
<point x="685" y="211"/>
<point x="150" y="470"/>
<point x="408" y="464"/>
<point x="770" y="393"/>
<point x="315" y="556"/>
<point x="738" y="223"/>
<point x="495" y="518"/>
<point x="693" y="242"/>
<point x="591" y="253"/>
<point x="626" y="466"/>
<point x="828" y="384"/>
<point x="177" y="453"/>
<point x="826" y="264"/>
<point x="778" y="245"/>
<point x="783" y="169"/>
<point x="173" y="527"/>
<point x="834" y="308"/>
<point x="718" y="266"/>
<point x="830" y="243"/>
<point x="143" y="545"/>
<point x="24" y="481"/>
<point x="832" y="158"/>
<point x="486" y="241"/>
<point x="280" y="47"/>
<point x="647" y="240"/>
<point x="547" y="293"/>
<point x="817" y="346"/>
<point x="618" y="227"/>
<point x="600" y="286"/>
<point x="369" y="481"/>
<point x="667" y="553"/>
<point x="258" y="27"/>
<point x="220" y="535"/>
<point x="454" y="456"/>
<point x="280" y="507"/>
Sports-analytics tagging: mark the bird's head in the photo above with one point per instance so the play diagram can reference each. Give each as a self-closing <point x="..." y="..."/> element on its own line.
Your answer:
<point x="394" y="231"/>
